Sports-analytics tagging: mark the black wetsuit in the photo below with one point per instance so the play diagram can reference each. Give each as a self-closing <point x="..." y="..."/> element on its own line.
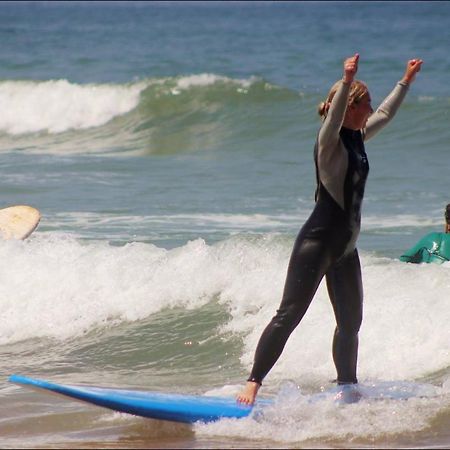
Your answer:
<point x="325" y="245"/>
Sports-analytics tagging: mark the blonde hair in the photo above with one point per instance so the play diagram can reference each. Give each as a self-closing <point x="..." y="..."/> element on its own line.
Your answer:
<point x="357" y="91"/>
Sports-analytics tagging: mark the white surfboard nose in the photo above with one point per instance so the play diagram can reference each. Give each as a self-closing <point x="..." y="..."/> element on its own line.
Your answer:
<point x="18" y="222"/>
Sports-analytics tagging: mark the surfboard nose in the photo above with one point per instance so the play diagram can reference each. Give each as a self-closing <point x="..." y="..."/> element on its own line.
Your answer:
<point x="18" y="222"/>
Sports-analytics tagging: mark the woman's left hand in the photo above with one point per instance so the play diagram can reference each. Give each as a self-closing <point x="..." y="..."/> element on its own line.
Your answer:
<point x="412" y="67"/>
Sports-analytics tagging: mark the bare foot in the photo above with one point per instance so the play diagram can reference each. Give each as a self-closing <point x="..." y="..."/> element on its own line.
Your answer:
<point x="248" y="394"/>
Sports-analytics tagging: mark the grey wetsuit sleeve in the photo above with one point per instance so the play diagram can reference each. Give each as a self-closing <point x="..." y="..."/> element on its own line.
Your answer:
<point x="386" y="111"/>
<point x="329" y="132"/>
<point x="332" y="157"/>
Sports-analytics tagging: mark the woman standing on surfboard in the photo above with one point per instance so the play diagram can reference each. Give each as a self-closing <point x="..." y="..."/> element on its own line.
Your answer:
<point x="326" y="244"/>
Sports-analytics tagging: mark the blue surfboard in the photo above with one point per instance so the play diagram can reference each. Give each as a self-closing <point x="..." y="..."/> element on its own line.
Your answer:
<point x="154" y="405"/>
<point x="198" y="408"/>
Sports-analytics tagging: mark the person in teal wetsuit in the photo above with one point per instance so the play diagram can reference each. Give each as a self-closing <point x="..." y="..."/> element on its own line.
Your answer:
<point x="434" y="247"/>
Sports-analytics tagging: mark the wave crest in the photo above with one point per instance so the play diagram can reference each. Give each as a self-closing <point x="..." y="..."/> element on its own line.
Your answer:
<point x="56" y="106"/>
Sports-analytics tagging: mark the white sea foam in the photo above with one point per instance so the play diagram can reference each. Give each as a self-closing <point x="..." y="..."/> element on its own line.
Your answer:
<point x="87" y="224"/>
<point x="55" y="106"/>
<point x="297" y="417"/>
<point x="178" y="222"/>
<point x="56" y="286"/>
<point x="71" y="287"/>
<point x="405" y="330"/>
<point x="370" y="222"/>
<point x="208" y="79"/>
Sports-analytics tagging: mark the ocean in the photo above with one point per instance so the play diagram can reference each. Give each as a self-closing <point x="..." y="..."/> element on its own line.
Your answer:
<point x="169" y="148"/>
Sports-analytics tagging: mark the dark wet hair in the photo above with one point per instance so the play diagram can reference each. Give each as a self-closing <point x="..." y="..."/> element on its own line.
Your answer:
<point x="447" y="213"/>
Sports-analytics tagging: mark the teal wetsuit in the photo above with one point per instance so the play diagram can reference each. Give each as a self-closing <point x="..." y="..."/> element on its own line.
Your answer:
<point x="434" y="247"/>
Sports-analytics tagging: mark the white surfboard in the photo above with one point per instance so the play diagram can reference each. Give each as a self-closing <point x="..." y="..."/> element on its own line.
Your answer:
<point x="18" y="222"/>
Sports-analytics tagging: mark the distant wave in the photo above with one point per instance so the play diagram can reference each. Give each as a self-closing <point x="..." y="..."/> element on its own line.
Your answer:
<point x="168" y="115"/>
<point x="57" y="106"/>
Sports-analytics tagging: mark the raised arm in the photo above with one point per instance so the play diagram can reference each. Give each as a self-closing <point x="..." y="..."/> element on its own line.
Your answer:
<point x="329" y="132"/>
<point x="390" y="105"/>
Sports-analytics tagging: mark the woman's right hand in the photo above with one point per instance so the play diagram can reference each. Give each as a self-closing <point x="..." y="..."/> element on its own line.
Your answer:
<point x="350" y="68"/>
<point x="412" y="67"/>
